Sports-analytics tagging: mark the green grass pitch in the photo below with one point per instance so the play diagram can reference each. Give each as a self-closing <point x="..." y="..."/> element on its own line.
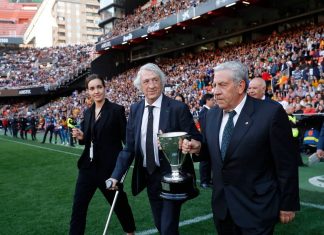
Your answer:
<point x="37" y="184"/>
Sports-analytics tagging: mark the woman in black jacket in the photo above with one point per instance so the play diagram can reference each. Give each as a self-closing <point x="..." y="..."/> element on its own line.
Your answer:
<point x="102" y="132"/>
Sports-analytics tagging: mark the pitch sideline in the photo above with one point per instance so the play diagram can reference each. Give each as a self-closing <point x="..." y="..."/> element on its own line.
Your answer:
<point x="209" y="216"/>
<point x="40" y="147"/>
<point x="152" y="231"/>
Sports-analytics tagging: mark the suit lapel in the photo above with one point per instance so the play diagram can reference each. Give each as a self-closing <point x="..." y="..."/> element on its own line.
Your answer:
<point x="216" y="117"/>
<point x="138" y="123"/>
<point x="104" y="117"/>
<point x="242" y="126"/>
<point x="164" y="114"/>
<point x="87" y="119"/>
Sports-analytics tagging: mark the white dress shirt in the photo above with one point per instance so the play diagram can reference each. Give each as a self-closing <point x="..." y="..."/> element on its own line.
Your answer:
<point x="238" y="110"/>
<point x="156" y="120"/>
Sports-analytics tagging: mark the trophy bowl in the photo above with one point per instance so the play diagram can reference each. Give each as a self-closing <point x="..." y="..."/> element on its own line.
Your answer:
<point x="176" y="185"/>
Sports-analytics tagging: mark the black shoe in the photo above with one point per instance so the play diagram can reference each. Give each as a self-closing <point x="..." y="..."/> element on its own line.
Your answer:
<point x="205" y="186"/>
<point x="302" y="165"/>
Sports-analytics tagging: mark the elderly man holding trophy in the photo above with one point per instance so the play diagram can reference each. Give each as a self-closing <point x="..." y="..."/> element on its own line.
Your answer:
<point x="167" y="173"/>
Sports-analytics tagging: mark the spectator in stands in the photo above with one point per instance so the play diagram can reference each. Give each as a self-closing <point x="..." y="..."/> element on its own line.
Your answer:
<point x="298" y="109"/>
<point x="309" y="109"/>
<point x="102" y="133"/>
<point x="257" y="88"/>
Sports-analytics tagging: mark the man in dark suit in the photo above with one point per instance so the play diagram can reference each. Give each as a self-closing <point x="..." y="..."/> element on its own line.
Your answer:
<point x="257" y="88"/>
<point x="169" y="115"/>
<point x="254" y="162"/>
<point x="102" y="133"/>
<point x="204" y="166"/>
<point x="320" y="145"/>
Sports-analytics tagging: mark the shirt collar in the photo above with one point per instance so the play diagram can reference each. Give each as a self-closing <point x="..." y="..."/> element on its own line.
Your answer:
<point x="206" y="106"/>
<point x="157" y="103"/>
<point x="239" y="107"/>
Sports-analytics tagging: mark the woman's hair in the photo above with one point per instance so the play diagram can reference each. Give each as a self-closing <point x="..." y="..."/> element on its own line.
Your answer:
<point x="181" y="96"/>
<point x="92" y="77"/>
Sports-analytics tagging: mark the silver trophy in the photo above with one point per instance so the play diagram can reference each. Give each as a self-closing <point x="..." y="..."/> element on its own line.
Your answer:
<point x="176" y="185"/>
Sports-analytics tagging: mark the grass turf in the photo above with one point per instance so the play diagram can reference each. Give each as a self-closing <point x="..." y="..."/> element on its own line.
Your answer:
<point x="37" y="185"/>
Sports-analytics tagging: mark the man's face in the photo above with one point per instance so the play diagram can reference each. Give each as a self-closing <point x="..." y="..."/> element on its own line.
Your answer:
<point x="227" y="93"/>
<point x="210" y="103"/>
<point x="151" y="86"/>
<point x="256" y="90"/>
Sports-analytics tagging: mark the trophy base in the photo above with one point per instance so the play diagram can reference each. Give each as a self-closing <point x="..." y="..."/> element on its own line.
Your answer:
<point x="180" y="190"/>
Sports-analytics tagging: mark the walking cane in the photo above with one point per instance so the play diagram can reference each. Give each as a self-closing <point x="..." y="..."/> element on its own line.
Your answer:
<point x="108" y="185"/>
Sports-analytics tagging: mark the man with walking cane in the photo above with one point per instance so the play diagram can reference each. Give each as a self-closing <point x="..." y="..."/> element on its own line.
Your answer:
<point x="147" y="118"/>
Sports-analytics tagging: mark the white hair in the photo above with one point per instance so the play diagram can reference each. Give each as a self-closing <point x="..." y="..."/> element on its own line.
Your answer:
<point x="239" y="71"/>
<point x="149" y="67"/>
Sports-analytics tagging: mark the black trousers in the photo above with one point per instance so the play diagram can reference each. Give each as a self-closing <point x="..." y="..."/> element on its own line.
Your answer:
<point x="228" y="227"/>
<point x="87" y="183"/>
<point x="48" y="129"/>
<point x="166" y="213"/>
<point x="205" y="172"/>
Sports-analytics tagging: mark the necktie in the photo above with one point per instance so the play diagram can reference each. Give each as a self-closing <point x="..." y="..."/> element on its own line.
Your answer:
<point x="227" y="133"/>
<point x="150" y="159"/>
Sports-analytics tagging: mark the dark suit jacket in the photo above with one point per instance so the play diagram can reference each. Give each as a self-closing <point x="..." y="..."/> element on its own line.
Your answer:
<point x="259" y="175"/>
<point x="174" y="116"/>
<point x="110" y="133"/>
<point x="202" y="118"/>
<point x="320" y="144"/>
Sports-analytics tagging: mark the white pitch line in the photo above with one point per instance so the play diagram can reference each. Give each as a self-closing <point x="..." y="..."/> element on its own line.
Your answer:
<point x="209" y="216"/>
<point x="317" y="206"/>
<point x="182" y="223"/>
<point x="40" y="147"/>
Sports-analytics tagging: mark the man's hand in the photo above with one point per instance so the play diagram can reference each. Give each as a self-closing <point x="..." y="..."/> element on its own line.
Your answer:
<point x="111" y="184"/>
<point x="320" y="153"/>
<point x="192" y="146"/>
<point x="286" y="216"/>
<point x="77" y="133"/>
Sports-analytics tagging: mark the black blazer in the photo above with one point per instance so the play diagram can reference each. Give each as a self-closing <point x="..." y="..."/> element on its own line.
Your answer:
<point x="174" y="116"/>
<point x="110" y="134"/>
<point x="202" y="118"/>
<point x="259" y="175"/>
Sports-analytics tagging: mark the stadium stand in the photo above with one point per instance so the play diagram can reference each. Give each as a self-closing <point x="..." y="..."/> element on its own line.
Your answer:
<point x="45" y="67"/>
<point x="290" y="61"/>
<point x="144" y="15"/>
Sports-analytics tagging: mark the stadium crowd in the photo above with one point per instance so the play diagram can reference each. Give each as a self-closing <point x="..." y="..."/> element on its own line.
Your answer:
<point x="290" y="62"/>
<point x="144" y="15"/>
<point x="48" y="67"/>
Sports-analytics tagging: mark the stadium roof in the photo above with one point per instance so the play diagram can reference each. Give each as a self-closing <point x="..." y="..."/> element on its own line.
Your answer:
<point x="209" y="21"/>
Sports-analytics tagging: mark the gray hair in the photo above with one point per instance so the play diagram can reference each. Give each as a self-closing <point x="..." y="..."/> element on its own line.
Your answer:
<point x="149" y="67"/>
<point x="239" y="71"/>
